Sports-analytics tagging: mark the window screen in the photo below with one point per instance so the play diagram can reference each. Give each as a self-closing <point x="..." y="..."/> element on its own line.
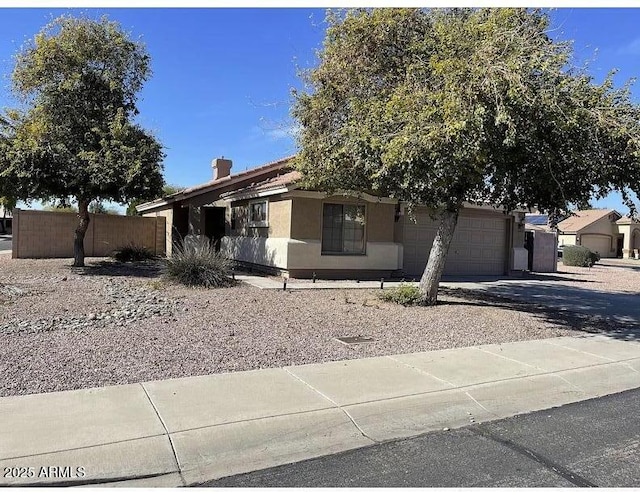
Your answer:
<point x="343" y="228"/>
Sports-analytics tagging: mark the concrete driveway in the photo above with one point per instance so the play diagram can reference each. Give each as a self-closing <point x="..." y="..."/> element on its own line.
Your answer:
<point x="621" y="309"/>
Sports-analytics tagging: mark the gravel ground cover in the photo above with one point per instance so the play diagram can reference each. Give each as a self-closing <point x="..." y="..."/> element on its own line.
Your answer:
<point x="110" y="323"/>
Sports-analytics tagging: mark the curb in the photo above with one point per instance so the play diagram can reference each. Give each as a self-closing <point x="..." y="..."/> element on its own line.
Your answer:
<point x="187" y="431"/>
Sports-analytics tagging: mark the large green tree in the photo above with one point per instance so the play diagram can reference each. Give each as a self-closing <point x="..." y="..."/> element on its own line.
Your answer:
<point x="446" y="106"/>
<point x="75" y="136"/>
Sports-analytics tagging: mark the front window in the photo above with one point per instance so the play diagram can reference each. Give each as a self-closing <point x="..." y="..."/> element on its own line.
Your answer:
<point x="343" y="229"/>
<point x="258" y="214"/>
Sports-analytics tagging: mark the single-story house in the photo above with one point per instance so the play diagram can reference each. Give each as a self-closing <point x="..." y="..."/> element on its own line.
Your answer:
<point x="603" y="231"/>
<point x="261" y="217"/>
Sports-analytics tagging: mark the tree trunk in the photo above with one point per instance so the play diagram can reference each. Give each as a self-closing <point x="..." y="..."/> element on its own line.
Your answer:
<point x="81" y="230"/>
<point x="437" y="257"/>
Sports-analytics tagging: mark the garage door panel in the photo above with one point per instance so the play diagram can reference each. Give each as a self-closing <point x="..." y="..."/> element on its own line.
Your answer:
<point x="477" y="248"/>
<point x="597" y="243"/>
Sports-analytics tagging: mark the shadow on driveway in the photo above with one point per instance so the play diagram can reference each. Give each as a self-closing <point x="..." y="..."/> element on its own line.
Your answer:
<point x="616" y="314"/>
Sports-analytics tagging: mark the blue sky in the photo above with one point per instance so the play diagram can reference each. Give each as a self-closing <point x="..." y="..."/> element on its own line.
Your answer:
<point x="222" y="78"/>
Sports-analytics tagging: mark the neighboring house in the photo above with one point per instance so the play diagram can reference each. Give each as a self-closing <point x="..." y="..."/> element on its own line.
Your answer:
<point x="261" y="217"/>
<point x="596" y="229"/>
<point x="630" y="231"/>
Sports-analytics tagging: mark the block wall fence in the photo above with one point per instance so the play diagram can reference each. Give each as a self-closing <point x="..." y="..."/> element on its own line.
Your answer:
<point x="49" y="234"/>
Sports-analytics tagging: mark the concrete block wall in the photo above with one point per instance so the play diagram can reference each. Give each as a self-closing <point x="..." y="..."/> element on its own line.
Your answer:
<point x="49" y="234"/>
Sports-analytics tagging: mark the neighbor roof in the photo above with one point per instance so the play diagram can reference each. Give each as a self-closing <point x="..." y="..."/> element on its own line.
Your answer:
<point x="583" y="218"/>
<point x="283" y="163"/>
<point x="627" y="220"/>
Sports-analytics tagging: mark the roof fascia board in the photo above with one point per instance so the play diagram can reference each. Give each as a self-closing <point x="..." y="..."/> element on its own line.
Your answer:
<point x="323" y="195"/>
<point x="255" y="194"/>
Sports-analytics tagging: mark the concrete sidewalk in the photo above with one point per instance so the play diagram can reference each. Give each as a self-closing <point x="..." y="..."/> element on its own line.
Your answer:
<point x="190" y="430"/>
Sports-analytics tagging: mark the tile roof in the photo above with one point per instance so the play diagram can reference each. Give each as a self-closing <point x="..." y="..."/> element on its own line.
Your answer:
<point x="271" y="165"/>
<point x="282" y="163"/>
<point x="284" y="179"/>
<point x="582" y="218"/>
<point x="627" y="220"/>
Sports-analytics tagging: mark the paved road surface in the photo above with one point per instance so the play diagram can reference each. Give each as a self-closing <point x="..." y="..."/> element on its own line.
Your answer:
<point x="591" y="443"/>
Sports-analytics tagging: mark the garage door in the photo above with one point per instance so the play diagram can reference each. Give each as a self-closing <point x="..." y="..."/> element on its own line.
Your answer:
<point x="597" y="243"/>
<point x="478" y="246"/>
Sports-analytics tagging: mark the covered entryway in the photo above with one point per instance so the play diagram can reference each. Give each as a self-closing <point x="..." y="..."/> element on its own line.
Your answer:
<point x="479" y="245"/>
<point x="214" y="224"/>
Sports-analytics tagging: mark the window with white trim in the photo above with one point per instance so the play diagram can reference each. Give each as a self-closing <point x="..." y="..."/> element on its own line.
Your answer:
<point x="343" y="229"/>
<point x="258" y="214"/>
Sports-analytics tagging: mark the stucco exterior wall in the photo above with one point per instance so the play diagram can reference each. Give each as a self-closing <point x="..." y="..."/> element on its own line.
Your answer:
<point x="167" y="214"/>
<point x="265" y="251"/>
<point x="380" y="222"/>
<point x="566" y="240"/>
<point x="45" y="234"/>
<point x="306" y="218"/>
<point x="631" y="242"/>
<point x="545" y="252"/>
<point x="307" y="255"/>
<point x="278" y="219"/>
<point x="279" y="214"/>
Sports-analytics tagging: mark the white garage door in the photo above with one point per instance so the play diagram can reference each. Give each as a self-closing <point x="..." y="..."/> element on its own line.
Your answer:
<point x="597" y="243"/>
<point x="478" y="246"/>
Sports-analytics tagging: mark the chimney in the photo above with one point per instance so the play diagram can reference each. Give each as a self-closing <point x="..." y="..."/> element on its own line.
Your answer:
<point x="221" y="168"/>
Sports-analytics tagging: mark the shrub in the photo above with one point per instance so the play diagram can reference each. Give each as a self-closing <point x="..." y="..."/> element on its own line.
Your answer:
<point x="579" y="256"/>
<point x="132" y="252"/>
<point x="198" y="264"/>
<point x="404" y="294"/>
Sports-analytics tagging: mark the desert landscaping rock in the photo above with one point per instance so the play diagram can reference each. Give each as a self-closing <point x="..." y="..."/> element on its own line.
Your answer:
<point x="115" y="324"/>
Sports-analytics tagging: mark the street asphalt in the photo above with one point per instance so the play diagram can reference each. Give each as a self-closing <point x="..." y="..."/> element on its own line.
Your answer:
<point x="590" y="443"/>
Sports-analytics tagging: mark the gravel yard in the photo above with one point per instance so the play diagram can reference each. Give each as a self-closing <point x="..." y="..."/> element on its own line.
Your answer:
<point x="107" y="324"/>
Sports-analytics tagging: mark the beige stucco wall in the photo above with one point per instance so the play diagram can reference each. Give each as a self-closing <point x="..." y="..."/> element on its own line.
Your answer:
<point x="545" y="252"/>
<point x="279" y="214"/>
<point x="278" y="219"/>
<point x="566" y="239"/>
<point x="45" y="234"/>
<point x="631" y="242"/>
<point x="306" y="218"/>
<point x="167" y="214"/>
<point x="294" y="237"/>
<point x="380" y="222"/>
